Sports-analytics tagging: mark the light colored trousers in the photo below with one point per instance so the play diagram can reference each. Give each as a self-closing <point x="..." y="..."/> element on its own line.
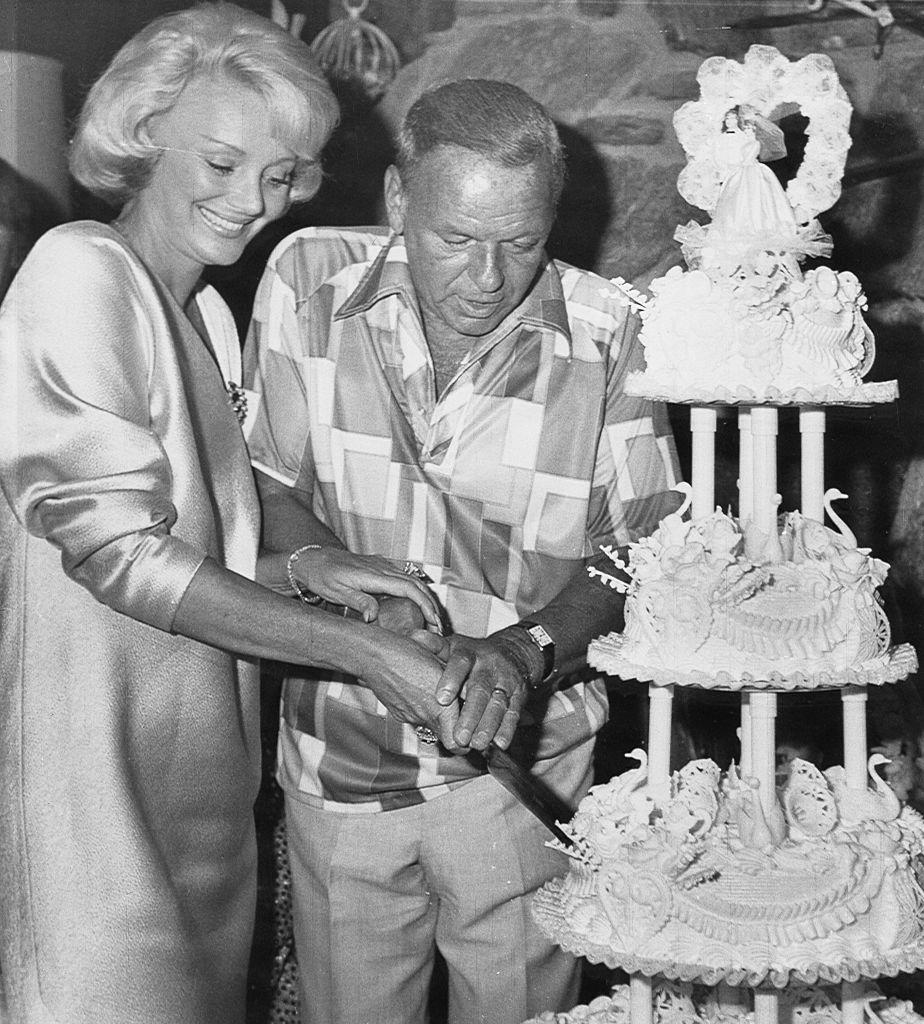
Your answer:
<point x="374" y="895"/>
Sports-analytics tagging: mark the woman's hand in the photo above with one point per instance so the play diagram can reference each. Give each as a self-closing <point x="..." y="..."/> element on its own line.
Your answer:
<point x="342" y="578"/>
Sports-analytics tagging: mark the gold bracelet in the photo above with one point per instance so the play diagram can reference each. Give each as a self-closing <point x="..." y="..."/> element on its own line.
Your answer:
<point x="303" y="595"/>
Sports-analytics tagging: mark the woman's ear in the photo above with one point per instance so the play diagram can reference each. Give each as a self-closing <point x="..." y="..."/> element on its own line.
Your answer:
<point x="395" y="199"/>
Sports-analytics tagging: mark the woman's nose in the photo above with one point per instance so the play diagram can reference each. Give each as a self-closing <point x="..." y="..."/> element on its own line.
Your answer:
<point x="486" y="268"/>
<point x="248" y="196"/>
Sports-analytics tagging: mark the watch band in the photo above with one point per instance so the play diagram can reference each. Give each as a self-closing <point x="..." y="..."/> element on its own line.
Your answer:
<point x="538" y="636"/>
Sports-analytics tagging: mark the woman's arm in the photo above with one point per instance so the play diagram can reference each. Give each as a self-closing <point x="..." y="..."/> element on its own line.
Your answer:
<point x="228" y="611"/>
<point x="329" y="570"/>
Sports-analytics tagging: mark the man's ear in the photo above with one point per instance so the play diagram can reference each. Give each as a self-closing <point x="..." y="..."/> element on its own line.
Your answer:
<point x="395" y="199"/>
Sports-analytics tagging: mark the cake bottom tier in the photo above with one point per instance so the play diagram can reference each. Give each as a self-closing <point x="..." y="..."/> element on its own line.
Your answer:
<point x="706" y="883"/>
<point x="688" y="953"/>
<point x="674" y="1003"/>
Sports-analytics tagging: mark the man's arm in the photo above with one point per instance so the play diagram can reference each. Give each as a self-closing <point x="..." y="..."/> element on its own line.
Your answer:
<point x="499" y="673"/>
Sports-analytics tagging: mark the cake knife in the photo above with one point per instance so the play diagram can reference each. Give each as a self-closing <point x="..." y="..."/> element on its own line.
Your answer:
<point x="532" y="793"/>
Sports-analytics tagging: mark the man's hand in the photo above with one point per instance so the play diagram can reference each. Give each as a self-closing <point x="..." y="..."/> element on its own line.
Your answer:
<point x="399" y="615"/>
<point x="405" y="678"/>
<point x="491" y="675"/>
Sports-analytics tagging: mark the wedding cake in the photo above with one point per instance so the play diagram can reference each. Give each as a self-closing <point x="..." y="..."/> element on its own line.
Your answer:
<point x="738" y="876"/>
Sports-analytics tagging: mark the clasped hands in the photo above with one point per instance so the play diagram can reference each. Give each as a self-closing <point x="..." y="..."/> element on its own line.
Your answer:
<point x="482" y="687"/>
<point x="482" y="683"/>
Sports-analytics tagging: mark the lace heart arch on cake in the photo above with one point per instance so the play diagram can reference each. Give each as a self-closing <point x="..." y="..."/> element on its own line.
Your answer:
<point x="772" y="86"/>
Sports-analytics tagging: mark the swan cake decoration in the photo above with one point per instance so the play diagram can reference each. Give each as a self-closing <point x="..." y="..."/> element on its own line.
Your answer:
<point x="706" y="883"/>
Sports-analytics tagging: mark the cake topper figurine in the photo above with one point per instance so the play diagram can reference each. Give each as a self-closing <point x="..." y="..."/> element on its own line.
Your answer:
<point x="753" y="219"/>
<point x="744" y="323"/>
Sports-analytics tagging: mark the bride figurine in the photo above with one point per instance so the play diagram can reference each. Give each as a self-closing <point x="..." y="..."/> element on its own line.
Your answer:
<point x="752" y="200"/>
<point x="752" y="214"/>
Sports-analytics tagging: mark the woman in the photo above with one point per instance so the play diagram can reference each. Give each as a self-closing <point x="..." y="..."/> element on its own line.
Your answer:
<point x="128" y="541"/>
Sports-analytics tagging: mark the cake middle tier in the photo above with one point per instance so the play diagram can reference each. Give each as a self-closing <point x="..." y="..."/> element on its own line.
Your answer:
<point x="713" y="604"/>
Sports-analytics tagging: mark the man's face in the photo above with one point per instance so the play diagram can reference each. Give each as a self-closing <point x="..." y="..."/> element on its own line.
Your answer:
<point x="474" y="231"/>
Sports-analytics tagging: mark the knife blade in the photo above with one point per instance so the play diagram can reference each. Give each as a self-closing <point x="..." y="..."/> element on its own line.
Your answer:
<point x="532" y="793"/>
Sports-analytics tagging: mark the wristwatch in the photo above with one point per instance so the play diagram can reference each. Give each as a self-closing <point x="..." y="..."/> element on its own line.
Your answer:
<point x="545" y="643"/>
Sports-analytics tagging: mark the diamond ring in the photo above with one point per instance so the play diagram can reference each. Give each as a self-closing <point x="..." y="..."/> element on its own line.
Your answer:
<point x="426" y="735"/>
<point x="413" y="569"/>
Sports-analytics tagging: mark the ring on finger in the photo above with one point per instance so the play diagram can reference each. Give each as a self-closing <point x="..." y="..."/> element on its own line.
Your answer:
<point x="503" y="693"/>
<point x="413" y="569"/>
<point x="426" y="735"/>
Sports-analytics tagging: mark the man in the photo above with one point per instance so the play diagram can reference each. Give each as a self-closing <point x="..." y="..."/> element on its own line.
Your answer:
<point x="446" y="395"/>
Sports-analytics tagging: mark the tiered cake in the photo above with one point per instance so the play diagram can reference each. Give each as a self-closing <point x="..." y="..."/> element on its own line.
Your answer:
<point x="735" y="878"/>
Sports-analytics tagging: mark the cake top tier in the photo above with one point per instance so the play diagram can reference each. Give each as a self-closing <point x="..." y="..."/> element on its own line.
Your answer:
<point x="743" y="324"/>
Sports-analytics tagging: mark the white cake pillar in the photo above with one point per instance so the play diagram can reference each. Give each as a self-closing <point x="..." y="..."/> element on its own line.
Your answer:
<point x="745" y="466"/>
<point x="812" y="429"/>
<point x="763" y="747"/>
<point x="853" y="699"/>
<point x="640" y="1007"/>
<point x="660" y="703"/>
<point x="766" y="1006"/>
<point x="764" y="426"/>
<point x="702" y="427"/>
<point x="852" y="1002"/>
<point x="746" y="761"/>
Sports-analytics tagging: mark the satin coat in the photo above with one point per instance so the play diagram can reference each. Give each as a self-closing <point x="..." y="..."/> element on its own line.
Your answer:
<point x="130" y="756"/>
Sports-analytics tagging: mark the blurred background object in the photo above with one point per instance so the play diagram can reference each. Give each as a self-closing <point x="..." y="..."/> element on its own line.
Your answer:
<point x="34" y="184"/>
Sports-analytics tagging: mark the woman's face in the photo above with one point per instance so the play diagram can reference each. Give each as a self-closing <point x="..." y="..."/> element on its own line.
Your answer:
<point x="220" y="178"/>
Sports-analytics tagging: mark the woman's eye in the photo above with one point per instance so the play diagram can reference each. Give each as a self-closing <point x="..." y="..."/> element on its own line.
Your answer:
<point x="280" y="180"/>
<point x="219" y="167"/>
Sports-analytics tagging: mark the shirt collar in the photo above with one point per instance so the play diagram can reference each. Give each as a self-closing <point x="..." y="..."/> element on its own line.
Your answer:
<point x="388" y="274"/>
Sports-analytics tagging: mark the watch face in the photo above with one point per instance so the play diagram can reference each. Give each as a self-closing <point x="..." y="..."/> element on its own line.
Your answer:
<point x="540" y="636"/>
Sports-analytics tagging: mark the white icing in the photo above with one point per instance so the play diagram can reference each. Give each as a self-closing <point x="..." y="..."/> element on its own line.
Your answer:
<point x="743" y="316"/>
<point x="705" y="876"/>
<point x="757" y="331"/>
<point x="683" y="1003"/>
<point x="704" y="883"/>
<point x="697" y="603"/>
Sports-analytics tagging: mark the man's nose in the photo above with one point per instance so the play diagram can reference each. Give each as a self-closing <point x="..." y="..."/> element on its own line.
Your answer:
<point x="487" y="267"/>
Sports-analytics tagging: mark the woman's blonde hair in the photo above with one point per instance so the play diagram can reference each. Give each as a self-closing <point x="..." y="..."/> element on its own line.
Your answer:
<point x="112" y="155"/>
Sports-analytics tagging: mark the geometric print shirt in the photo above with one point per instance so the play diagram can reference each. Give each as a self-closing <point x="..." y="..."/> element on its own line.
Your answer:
<point x="502" y="488"/>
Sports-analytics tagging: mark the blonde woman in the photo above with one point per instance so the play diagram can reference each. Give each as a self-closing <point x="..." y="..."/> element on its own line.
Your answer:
<point x="130" y="622"/>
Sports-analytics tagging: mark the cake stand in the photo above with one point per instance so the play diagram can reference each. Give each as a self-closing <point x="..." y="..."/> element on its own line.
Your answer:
<point x="759" y="502"/>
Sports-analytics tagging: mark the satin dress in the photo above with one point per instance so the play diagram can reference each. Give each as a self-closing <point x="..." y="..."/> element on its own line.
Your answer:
<point x="130" y="755"/>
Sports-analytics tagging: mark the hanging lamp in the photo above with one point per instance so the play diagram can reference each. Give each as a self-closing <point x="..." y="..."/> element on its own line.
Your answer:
<point x="356" y="53"/>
